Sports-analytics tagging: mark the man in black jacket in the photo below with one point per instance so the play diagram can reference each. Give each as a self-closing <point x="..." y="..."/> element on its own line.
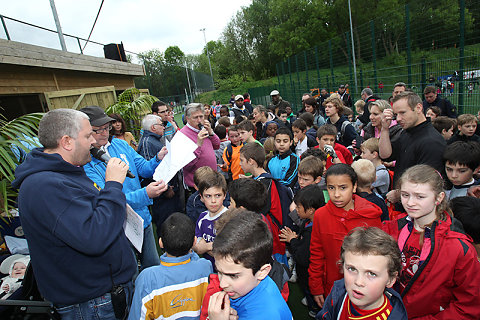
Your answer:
<point x="432" y="99"/>
<point x="419" y="142"/>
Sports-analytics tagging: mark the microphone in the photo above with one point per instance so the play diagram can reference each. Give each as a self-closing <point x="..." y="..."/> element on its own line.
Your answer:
<point x="200" y="126"/>
<point x="103" y="156"/>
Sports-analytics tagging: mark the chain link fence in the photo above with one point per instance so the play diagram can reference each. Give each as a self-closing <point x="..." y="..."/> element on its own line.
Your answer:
<point x="415" y="44"/>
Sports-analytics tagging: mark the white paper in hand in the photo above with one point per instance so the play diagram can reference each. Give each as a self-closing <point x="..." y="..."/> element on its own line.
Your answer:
<point x="133" y="228"/>
<point x="180" y="153"/>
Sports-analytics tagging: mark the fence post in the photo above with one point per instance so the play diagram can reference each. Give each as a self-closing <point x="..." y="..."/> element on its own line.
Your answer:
<point x="331" y="61"/>
<point x="424" y="75"/>
<point x="349" y="52"/>
<point x="374" y="55"/>
<point x="361" y="78"/>
<point x="5" y="27"/>
<point x="409" y="44"/>
<point x="328" y="83"/>
<point x="278" y="73"/>
<point x="284" y="81"/>
<point x="306" y="69"/>
<point x="292" y="88"/>
<point x="298" y="80"/>
<point x="461" y="87"/>
<point x="317" y="65"/>
<point x="79" y="45"/>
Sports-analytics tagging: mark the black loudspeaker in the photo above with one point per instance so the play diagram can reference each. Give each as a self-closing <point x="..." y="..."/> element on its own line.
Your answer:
<point x="114" y="51"/>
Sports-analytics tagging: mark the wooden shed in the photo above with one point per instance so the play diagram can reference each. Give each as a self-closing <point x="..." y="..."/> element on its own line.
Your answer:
<point x="35" y="79"/>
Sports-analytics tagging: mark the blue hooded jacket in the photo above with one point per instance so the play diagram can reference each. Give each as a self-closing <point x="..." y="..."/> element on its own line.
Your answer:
<point x="74" y="230"/>
<point x="137" y="196"/>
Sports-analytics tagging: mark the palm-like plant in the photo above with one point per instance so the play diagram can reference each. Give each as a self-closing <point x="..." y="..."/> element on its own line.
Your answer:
<point x="132" y="105"/>
<point x="12" y="134"/>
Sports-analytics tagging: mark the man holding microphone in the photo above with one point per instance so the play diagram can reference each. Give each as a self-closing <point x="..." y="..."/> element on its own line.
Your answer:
<point x="82" y="259"/>
<point x="137" y="197"/>
<point x="199" y="131"/>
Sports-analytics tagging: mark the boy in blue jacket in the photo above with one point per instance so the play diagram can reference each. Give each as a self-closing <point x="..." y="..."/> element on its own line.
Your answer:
<point x="371" y="262"/>
<point x="242" y="252"/>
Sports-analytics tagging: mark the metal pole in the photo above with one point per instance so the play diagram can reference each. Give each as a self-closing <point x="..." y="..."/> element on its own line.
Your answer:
<point x="188" y="80"/>
<point x="194" y="82"/>
<point x="208" y="56"/>
<point x="409" y="44"/>
<point x="461" y="82"/>
<point x="353" y="46"/>
<point x="57" y="23"/>
<point x="5" y="27"/>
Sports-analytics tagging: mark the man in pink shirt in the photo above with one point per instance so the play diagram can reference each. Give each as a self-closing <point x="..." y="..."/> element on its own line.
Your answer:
<point x="199" y="130"/>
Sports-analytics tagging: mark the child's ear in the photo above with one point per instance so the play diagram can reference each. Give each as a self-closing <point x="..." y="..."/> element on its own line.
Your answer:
<point x="263" y="272"/>
<point x="391" y="280"/>
<point x="440" y="197"/>
<point x="252" y="162"/>
<point x="310" y="211"/>
<point x="355" y="187"/>
<point x="160" y="242"/>
<point x="318" y="179"/>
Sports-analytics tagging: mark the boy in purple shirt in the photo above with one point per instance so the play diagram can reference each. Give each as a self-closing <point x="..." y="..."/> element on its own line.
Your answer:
<point x="212" y="190"/>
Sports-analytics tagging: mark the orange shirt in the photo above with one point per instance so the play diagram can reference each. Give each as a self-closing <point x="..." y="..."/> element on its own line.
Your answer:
<point x="233" y="161"/>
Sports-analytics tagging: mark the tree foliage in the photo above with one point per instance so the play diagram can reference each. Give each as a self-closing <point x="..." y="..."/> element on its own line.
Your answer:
<point x="266" y="32"/>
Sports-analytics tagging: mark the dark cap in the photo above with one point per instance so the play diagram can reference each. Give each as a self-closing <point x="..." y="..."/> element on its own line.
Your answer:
<point x="97" y="115"/>
<point x="341" y="86"/>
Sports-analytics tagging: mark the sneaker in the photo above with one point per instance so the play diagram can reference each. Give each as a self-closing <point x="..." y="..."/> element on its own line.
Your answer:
<point x="312" y="314"/>
<point x="304" y="301"/>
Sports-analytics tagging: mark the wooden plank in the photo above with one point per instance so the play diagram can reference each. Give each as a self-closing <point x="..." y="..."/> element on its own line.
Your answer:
<point x="73" y="92"/>
<point x="75" y="105"/>
<point x="12" y="52"/>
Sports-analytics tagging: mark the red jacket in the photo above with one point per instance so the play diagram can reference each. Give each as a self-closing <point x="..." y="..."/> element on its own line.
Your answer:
<point x="448" y="279"/>
<point x="330" y="226"/>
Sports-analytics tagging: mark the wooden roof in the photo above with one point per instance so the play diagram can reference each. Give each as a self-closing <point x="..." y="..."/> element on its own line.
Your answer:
<point x="26" y="68"/>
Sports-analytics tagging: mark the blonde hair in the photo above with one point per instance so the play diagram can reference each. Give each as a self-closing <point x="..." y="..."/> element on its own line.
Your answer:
<point x="424" y="174"/>
<point x="465" y="118"/>
<point x="371" y="145"/>
<point x="269" y="146"/>
<point x="381" y="105"/>
<point x="365" y="171"/>
<point x="337" y="102"/>
<point x="360" y="104"/>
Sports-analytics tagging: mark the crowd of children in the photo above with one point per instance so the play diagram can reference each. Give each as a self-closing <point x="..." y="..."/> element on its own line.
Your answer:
<point x="308" y="195"/>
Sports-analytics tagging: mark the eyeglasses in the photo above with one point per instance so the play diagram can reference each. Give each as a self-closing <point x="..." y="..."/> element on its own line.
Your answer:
<point x="159" y="124"/>
<point x="102" y="130"/>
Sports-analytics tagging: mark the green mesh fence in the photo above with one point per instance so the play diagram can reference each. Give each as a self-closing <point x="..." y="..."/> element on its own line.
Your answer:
<point x="415" y="44"/>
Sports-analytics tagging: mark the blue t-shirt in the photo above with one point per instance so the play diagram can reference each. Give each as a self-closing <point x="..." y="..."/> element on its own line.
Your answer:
<point x="264" y="302"/>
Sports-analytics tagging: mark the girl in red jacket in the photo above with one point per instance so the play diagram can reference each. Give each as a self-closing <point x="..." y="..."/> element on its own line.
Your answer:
<point x="331" y="223"/>
<point x="440" y="277"/>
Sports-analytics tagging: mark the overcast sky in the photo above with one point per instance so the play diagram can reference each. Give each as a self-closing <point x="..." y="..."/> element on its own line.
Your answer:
<point x="140" y="24"/>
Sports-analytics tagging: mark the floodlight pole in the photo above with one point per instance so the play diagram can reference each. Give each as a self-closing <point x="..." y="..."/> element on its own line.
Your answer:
<point x="353" y="45"/>
<point x="208" y="56"/>
<point x="57" y="23"/>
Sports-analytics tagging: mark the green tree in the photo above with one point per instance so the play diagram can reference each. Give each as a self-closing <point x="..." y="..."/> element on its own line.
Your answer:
<point x="173" y="55"/>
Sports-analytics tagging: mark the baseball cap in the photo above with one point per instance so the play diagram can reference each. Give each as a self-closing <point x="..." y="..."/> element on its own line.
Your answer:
<point x="274" y="93"/>
<point x="238" y="96"/>
<point x="97" y="116"/>
<point x="341" y="86"/>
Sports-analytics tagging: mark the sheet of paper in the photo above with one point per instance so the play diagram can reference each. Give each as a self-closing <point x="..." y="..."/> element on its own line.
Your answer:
<point x="180" y="153"/>
<point x="133" y="228"/>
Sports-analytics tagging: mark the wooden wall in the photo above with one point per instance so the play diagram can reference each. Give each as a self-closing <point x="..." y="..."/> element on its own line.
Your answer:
<point x="79" y="98"/>
<point x="15" y="79"/>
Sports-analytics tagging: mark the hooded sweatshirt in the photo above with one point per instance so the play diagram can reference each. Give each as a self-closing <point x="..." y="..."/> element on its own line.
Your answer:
<point x="74" y="230"/>
<point x="330" y="226"/>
